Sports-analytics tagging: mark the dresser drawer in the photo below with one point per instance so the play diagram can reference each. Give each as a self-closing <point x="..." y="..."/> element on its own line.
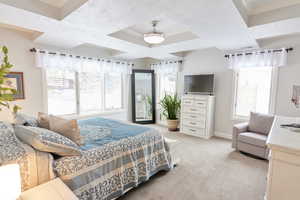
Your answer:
<point x="193" y="109"/>
<point x="193" y="131"/>
<point x="193" y="116"/>
<point x="200" y="103"/>
<point x="187" y="102"/>
<point x="194" y="123"/>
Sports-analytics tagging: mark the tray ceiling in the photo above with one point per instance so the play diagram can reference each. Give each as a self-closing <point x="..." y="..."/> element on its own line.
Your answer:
<point x="119" y="25"/>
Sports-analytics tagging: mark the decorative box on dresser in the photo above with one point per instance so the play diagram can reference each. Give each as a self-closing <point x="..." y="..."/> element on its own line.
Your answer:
<point x="197" y="115"/>
<point x="283" y="182"/>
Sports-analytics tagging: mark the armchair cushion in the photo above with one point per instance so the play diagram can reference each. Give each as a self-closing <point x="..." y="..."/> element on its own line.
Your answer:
<point x="237" y="129"/>
<point x="253" y="138"/>
<point x="260" y="123"/>
<point x="241" y="127"/>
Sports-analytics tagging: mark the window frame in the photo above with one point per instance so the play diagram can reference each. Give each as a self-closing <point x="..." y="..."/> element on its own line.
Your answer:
<point x="78" y="113"/>
<point x="273" y="94"/>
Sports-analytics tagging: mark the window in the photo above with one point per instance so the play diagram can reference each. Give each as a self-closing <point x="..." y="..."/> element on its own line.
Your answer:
<point x="167" y="85"/>
<point x="61" y="92"/>
<point x="113" y="91"/>
<point x="90" y="92"/>
<point x="83" y="93"/>
<point x="253" y="91"/>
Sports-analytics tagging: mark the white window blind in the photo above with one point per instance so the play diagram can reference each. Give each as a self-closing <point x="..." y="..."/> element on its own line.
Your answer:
<point x="61" y="92"/>
<point x="167" y="85"/>
<point x="113" y="91"/>
<point x="91" y="89"/>
<point x="253" y="91"/>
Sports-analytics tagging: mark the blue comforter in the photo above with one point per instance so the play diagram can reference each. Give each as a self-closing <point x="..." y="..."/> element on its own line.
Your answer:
<point x="118" y="131"/>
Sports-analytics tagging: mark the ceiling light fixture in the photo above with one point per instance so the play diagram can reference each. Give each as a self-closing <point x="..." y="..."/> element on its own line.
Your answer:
<point x="154" y="37"/>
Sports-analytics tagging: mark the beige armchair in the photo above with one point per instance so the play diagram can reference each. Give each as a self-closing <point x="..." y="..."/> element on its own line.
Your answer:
<point x="251" y="137"/>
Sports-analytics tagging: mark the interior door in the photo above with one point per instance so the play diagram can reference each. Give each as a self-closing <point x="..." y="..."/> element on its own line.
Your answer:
<point x="143" y="96"/>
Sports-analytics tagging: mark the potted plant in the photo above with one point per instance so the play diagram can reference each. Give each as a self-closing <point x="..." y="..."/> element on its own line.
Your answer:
<point x="6" y="93"/>
<point x="170" y="105"/>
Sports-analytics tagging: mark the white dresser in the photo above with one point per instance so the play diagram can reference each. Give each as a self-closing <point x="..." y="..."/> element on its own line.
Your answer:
<point x="284" y="161"/>
<point x="197" y="115"/>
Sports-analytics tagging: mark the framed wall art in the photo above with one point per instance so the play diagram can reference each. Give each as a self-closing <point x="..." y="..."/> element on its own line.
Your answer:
<point x="15" y="81"/>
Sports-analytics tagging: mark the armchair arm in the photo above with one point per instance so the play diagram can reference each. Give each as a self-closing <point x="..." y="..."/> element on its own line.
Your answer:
<point x="237" y="129"/>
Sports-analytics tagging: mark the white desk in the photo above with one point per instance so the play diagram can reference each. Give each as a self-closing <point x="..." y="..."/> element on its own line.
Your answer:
<point x="284" y="162"/>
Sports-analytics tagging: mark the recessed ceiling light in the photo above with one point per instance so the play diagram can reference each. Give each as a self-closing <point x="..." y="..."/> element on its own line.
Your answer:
<point x="154" y="37"/>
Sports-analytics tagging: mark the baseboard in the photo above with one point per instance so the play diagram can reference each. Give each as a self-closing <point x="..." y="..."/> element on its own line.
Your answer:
<point x="223" y="135"/>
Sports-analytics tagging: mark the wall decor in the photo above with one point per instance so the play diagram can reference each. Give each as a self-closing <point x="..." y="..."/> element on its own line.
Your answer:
<point x="14" y="80"/>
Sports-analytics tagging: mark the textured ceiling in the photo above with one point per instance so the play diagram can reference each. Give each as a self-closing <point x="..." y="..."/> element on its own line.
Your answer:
<point x="119" y="24"/>
<point x="168" y="27"/>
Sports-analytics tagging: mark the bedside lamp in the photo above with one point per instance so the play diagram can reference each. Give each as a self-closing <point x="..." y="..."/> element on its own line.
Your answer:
<point x="10" y="182"/>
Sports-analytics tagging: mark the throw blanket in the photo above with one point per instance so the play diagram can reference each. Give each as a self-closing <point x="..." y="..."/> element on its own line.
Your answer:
<point x="112" y="165"/>
<point x="36" y="167"/>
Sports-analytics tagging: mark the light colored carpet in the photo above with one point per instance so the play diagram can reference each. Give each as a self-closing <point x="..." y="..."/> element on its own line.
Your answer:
<point x="208" y="170"/>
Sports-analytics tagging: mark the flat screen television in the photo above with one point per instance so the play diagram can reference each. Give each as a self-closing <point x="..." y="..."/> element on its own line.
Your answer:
<point x="202" y="84"/>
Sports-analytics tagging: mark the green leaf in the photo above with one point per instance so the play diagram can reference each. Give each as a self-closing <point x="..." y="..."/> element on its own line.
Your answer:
<point x="170" y="106"/>
<point x="6" y="94"/>
<point x="4" y="50"/>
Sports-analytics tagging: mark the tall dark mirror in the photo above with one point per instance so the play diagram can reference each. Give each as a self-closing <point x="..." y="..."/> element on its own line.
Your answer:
<point x="143" y="96"/>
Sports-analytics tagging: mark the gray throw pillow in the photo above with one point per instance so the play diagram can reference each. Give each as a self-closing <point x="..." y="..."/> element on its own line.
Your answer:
<point x="260" y="123"/>
<point x="48" y="141"/>
<point x="26" y="120"/>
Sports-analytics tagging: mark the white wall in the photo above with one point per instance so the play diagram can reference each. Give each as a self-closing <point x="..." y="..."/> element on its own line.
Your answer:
<point x="288" y="76"/>
<point x="19" y="55"/>
<point x="144" y="63"/>
<point x="212" y="61"/>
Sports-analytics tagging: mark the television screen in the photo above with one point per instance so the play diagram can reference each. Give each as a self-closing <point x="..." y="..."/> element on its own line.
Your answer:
<point x="199" y="83"/>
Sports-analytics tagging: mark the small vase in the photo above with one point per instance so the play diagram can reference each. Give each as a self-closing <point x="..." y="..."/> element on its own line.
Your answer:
<point x="172" y="124"/>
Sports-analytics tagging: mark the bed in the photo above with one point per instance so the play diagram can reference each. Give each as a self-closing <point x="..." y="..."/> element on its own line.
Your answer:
<point x="116" y="157"/>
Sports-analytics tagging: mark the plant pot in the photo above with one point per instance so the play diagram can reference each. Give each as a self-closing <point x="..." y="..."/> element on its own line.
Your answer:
<point x="173" y="124"/>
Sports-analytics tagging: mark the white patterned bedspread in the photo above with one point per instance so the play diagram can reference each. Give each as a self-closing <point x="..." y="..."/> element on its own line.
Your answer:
<point x="116" y="163"/>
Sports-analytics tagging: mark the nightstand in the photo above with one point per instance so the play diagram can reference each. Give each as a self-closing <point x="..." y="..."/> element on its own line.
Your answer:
<point x="54" y="189"/>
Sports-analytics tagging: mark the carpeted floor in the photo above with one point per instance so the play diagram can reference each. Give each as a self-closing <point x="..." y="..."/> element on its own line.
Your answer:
<point x="208" y="170"/>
